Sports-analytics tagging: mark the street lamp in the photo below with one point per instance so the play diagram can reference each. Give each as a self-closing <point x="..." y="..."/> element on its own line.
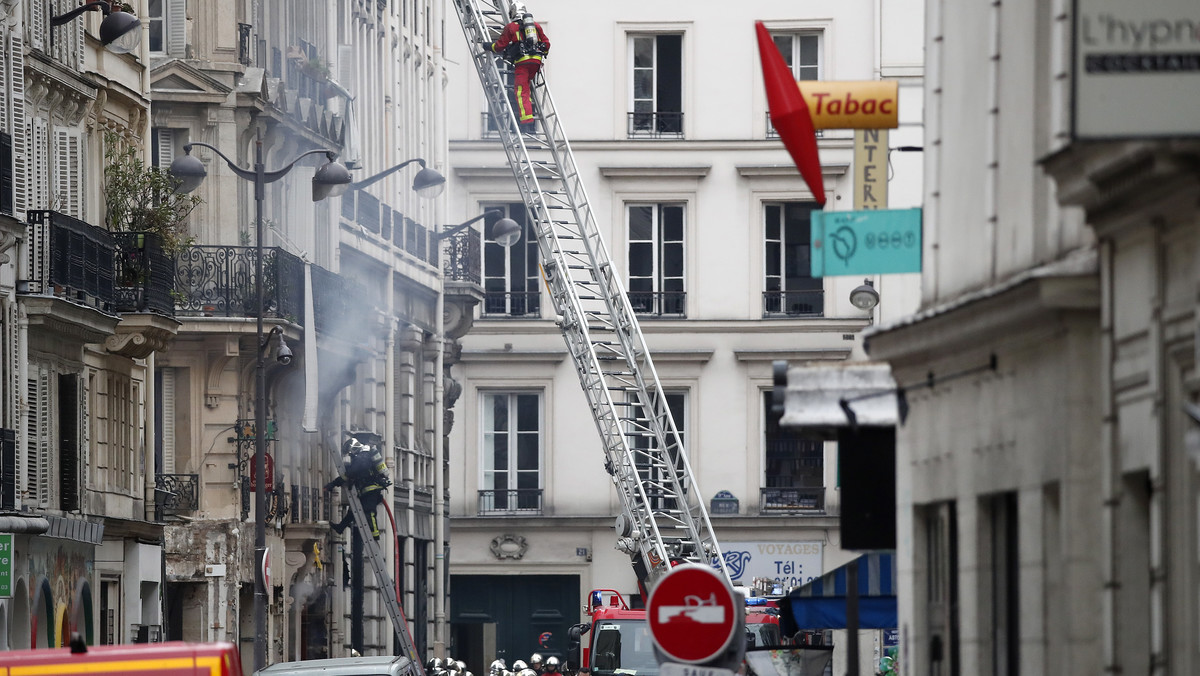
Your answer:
<point x="506" y="232"/>
<point x="428" y="183"/>
<point x="117" y="32"/>
<point x="331" y="178"/>
<point x="864" y="296"/>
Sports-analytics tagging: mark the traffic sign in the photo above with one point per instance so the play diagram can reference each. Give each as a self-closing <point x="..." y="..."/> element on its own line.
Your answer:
<point x="692" y="613"/>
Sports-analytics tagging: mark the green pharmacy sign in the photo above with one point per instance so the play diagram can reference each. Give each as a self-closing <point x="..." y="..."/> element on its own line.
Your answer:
<point x="873" y="242"/>
<point x="6" y="565"/>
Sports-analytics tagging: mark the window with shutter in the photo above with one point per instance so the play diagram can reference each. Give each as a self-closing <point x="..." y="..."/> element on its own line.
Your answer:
<point x="67" y="179"/>
<point x="37" y="445"/>
<point x="68" y="442"/>
<point x="163" y="150"/>
<point x="16" y="83"/>
<point x="37" y="24"/>
<point x="39" y="189"/>
<point x="166" y="421"/>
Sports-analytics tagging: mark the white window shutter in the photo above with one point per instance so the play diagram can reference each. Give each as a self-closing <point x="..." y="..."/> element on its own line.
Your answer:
<point x="67" y="173"/>
<point x="20" y="150"/>
<point x="37" y="24"/>
<point x="176" y="27"/>
<point x="166" y="147"/>
<point x="31" y="439"/>
<point x="168" y="421"/>
<point x="39" y="191"/>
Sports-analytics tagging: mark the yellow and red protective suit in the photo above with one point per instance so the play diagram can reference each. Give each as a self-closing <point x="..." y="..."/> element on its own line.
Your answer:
<point x="526" y="63"/>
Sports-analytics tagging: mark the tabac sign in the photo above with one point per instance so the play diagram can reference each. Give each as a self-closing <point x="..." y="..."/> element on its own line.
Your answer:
<point x="852" y="105"/>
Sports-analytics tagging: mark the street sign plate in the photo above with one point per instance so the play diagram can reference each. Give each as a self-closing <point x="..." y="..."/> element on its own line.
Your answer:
<point x="870" y="242"/>
<point x="692" y="614"/>
<point x="675" y="669"/>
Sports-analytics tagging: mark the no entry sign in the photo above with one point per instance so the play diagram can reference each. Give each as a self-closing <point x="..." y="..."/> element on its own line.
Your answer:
<point x="692" y="614"/>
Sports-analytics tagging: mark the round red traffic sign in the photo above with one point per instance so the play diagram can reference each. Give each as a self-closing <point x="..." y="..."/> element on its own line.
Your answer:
<point x="692" y="614"/>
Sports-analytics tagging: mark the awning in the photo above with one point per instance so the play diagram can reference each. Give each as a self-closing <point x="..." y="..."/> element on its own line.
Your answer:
<point x="821" y="604"/>
<point x="817" y="396"/>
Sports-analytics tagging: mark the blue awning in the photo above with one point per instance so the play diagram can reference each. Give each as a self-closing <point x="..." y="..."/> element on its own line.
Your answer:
<point x="821" y="604"/>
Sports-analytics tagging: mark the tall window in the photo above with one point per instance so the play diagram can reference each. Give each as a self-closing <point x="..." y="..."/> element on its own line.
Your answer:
<point x="166" y="23"/>
<point x="1005" y="566"/>
<point x="789" y="289"/>
<point x="656" y="270"/>
<point x="940" y="528"/>
<point x="656" y="86"/>
<point x="156" y="30"/>
<point x="512" y="283"/>
<point x="794" y="467"/>
<point x="512" y="452"/>
<point x="802" y="53"/>
<point x="655" y="473"/>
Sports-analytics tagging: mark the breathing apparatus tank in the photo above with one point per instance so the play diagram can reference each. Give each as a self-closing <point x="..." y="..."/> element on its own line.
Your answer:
<point x="529" y="36"/>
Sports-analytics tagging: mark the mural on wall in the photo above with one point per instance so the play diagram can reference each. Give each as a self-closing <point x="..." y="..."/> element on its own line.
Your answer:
<point x="60" y="573"/>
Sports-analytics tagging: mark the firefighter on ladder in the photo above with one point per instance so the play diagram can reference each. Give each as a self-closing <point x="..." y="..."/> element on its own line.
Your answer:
<point x="364" y="469"/>
<point x="524" y="43"/>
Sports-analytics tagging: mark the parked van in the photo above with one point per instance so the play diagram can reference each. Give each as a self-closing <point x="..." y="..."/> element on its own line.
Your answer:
<point x="173" y="658"/>
<point x="383" y="665"/>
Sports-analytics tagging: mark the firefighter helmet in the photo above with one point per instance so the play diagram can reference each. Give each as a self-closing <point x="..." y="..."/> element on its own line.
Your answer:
<point x="497" y="667"/>
<point x="552" y="663"/>
<point x="519" y="665"/>
<point x="517" y="10"/>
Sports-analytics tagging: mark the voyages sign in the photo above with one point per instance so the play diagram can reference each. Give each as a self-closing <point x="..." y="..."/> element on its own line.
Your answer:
<point x="1136" y="68"/>
<point x="790" y="563"/>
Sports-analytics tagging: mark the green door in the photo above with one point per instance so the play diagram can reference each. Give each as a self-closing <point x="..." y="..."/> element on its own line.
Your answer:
<point x="527" y="614"/>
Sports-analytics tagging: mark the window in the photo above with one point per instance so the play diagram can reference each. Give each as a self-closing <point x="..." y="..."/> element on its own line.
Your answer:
<point x="654" y="473"/>
<point x="512" y="452"/>
<point x="166" y="23"/>
<point x="162" y="142"/>
<point x="6" y="173"/>
<point x="656" y="270"/>
<point x="793" y="467"/>
<point x="802" y="53"/>
<point x="511" y="280"/>
<point x="940" y="528"/>
<point x="789" y="289"/>
<point x="656" y="86"/>
<point x="1005" y="584"/>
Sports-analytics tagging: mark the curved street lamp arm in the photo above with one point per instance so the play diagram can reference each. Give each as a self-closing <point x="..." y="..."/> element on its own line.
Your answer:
<point x="462" y="226"/>
<point x="249" y="174"/>
<point x="359" y="185"/>
<point x="64" y="18"/>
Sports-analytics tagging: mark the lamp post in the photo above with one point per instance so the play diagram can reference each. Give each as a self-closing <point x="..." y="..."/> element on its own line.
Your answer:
<point x="506" y="233"/>
<point x="117" y="32"/>
<point x="331" y="178"/>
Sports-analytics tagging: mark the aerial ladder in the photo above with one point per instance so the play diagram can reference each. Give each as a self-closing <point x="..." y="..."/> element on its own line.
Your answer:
<point x="663" y="520"/>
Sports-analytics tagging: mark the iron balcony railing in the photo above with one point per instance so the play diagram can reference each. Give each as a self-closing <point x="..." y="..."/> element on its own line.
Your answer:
<point x="512" y="304"/>
<point x="772" y="132"/>
<point x="794" y="303"/>
<point x="654" y="125"/>
<point x="777" y="500"/>
<point x="175" y="493"/>
<point x="143" y="274"/>
<point x="513" y="501"/>
<point x="463" y="256"/>
<point x="70" y="259"/>
<point x="659" y="303"/>
<point x="218" y="281"/>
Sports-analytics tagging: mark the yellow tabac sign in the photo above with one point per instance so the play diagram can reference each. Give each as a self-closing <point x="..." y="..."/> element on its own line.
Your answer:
<point x="872" y="104"/>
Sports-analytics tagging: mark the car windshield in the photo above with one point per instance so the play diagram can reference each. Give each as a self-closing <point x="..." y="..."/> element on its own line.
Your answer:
<point x="623" y="647"/>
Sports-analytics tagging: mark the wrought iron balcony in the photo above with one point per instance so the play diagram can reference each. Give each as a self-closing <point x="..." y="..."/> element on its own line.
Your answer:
<point x="175" y="493"/>
<point x="342" y="306"/>
<point x="218" y="281"/>
<point x="463" y="256"/>
<point x="792" y="500"/>
<point x="70" y="259"/>
<point x="143" y="274"/>
<point x="514" y="501"/>
<point x="512" y="304"/>
<point x="654" y="125"/>
<point x="772" y="132"/>
<point x="659" y="303"/>
<point x="794" y="303"/>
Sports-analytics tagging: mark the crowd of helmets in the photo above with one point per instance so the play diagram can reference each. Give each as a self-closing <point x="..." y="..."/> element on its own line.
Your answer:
<point x="551" y="666"/>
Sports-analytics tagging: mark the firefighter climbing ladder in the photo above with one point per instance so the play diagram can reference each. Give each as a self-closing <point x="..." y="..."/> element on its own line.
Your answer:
<point x="663" y="518"/>
<point x="387" y="587"/>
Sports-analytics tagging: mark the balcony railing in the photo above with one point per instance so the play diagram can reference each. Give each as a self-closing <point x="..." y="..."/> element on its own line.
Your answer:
<point x="218" y="281"/>
<point x="143" y="274"/>
<point x="777" y="500"/>
<point x="342" y="306"/>
<point x="515" y="501"/>
<point x="462" y="262"/>
<point x="659" y="303"/>
<point x="512" y="304"/>
<point x="794" y="303"/>
<point x="772" y="132"/>
<point x="174" y="493"/>
<point x="70" y="259"/>
<point x="654" y="125"/>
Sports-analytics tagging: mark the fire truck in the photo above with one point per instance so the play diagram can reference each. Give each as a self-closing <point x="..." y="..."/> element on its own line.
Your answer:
<point x="173" y="658"/>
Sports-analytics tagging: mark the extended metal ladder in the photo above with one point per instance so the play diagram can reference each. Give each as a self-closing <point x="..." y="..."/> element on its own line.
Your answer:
<point x="387" y="587"/>
<point x="663" y="518"/>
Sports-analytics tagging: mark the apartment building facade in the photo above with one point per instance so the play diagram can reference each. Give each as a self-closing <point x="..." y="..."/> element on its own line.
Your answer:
<point x="1048" y="479"/>
<point x="78" y="337"/>
<point x="706" y="217"/>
